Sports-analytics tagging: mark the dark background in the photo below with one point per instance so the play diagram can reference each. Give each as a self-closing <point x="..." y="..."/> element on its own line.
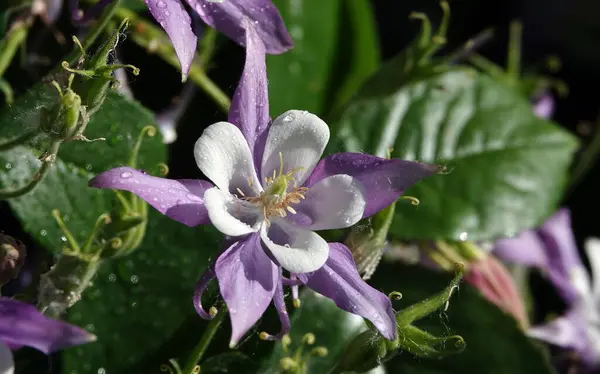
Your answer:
<point x="569" y="29"/>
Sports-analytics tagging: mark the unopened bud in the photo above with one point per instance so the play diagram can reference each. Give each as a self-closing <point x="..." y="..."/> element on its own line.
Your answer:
<point x="12" y="258"/>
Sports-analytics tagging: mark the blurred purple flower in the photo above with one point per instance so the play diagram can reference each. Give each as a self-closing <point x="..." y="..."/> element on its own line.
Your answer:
<point x="22" y="325"/>
<point x="543" y="105"/>
<point x="553" y="250"/>
<point x="272" y="222"/>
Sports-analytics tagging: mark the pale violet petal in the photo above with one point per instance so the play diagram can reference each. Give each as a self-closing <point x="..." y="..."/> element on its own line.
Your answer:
<point x="228" y="214"/>
<point x="335" y="202"/>
<point x="300" y="137"/>
<point x="296" y="249"/>
<point x="223" y="155"/>
<point x="7" y="365"/>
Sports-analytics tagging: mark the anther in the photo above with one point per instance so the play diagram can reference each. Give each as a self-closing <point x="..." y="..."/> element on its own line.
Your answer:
<point x="290" y="209"/>
<point x="212" y="311"/>
<point x="263" y="335"/>
<point x="296" y="303"/>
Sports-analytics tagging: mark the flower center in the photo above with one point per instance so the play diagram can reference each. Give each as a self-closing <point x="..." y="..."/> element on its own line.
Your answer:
<point x="275" y="200"/>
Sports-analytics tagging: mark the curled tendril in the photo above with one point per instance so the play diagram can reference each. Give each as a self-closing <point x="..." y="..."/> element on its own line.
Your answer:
<point x="148" y="130"/>
<point x="173" y="368"/>
<point x="116" y="243"/>
<point x="163" y="169"/>
<point x="167" y="369"/>
<point x="319" y="352"/>
<point x="413" y="200"/>
<point x="286" y="341"/>
<point x="288" y="363"/>
<point x="309" y="339"/>
<point x="395" y="296"/>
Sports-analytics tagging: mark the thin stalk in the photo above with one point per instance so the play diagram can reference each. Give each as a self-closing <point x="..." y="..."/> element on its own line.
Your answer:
<point x="10" y="44"/>
<point x="150" y="37"/>
<point x="587" y="159"/>
<point x="513" y="62"/>
<point x="93" y="34"/>
<point x="207" y="336"/>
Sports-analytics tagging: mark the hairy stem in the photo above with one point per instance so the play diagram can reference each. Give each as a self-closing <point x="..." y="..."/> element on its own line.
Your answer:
<point x="207" y="336"/>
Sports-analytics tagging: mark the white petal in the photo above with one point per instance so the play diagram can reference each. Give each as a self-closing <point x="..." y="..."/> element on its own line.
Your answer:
<point x="7" y="365"/>
<point x="335" y="202"/>
<point x="297" y="250"/>
<point x="301" y="137"/>
<point x="223" y="155"/>
<point x="592" y="249"/>
<point x="228" y="214"/>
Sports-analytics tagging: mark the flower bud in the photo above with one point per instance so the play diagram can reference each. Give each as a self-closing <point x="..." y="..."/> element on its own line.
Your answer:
<point x="12" y="258"/>
<point x="95" y="76"/>
<point x="365" y="352"/>
<point x="367" y="240"/>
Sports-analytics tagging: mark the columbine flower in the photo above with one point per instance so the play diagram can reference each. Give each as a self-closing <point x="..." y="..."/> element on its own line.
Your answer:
<point x="226" y="16"/>
<point x="271" y="193"/>
<point x="552" y="249"/>
<point x="22" y="325"/>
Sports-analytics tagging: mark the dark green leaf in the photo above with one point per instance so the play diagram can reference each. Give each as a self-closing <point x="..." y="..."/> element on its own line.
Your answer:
<point x="138" y="305"/>
<point x="357" y="55"/>
<point x="507" y="167"/>
<point x="298" y="78"/>
<point x="65" y="188"/>
<point x="494" y="342"/>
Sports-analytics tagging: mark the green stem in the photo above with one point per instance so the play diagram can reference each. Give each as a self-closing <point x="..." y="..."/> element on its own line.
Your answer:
<point x="19" y="140"/>
<point x="9" y="45"/>
<point x="6" y="89"/>
<point x="37" y="178"/>
<point x="152" y="39"/>
<point x="513" y="63"/>
<point x="587" y="159"/>
<point x="93" y="34"/>
<point x="204" y="342"/>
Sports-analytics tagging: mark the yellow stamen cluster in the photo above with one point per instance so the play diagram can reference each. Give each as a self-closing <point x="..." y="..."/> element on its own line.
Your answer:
<point x="275" y="200"/>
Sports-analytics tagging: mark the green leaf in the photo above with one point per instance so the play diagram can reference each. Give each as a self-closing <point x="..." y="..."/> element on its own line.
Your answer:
<point x="138" y="306"/>
<point x="494" y="342"/>
<point x="357" y="54"/>
<point x="333" y="328"/>
<point x="299" y="77"/>
<point x="65" y="186"/>
<point x="507" y="167"/>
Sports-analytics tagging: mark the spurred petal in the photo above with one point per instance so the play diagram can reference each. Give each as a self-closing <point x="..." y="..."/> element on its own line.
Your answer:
<point x="247" y="281"/>
<point x="228" y="214"/>
<point x="201" y="286"/>
<point x="7" y="364"/>
<point x="176" y="21"/>
<point x="22" y="324"/>
<point x="250" y="104"/>
<point x="333" y="203"/>
<point x="222" y="154"/>
<point x="181" y="200"/>
<point x="296" y="249"/>
<point x="552" y="248"/>
<point x="526" y="249"/>
<point x="228" y="17"/>
<point x="297" y="137"/>
<point x="383" y="180"/>
<point x="279" y="302"/>
<point x="339" y="280"/>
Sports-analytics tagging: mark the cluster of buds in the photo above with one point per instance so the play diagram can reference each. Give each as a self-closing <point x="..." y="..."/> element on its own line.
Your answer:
<point x="296" y="362"/>
<point x="369" y="349"/>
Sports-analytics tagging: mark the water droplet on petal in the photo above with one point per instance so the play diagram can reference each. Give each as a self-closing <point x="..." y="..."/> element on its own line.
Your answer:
<point x="161" y="4"/>
<point x="126" y="175"/>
